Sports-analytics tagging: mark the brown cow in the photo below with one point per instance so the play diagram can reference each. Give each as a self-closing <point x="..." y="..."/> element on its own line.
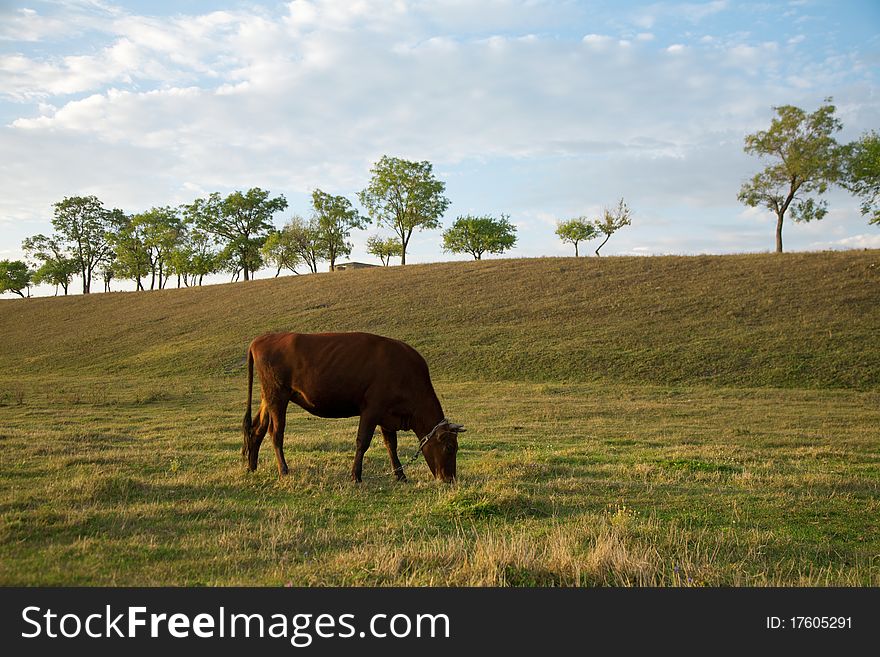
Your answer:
<point x="384" y="381"/>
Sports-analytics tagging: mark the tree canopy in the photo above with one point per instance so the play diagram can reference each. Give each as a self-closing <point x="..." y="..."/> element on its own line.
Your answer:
<point x="612" y="220"/>
<point x="861" y="174"/>
<point x="574" y="231"/>
<point x="336" y="218"/>
<point x="279" y="250"/>
<point x="54" y="266"/>
<point x="15" y="277"/>
<point x="477" y="235"/>
<point x="241" y="222"/>
<point x="384" y="248"/>
<point x="404" y="196"/>
<point x="83" y="225"/>
<point x="804" y="160"/>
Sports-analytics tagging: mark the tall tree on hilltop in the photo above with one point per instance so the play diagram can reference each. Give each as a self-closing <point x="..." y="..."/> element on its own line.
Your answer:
<point x="85" y="225"/>
<point x="241" y="221"/>
<point x="804" y="160"/>
<point x="133" y="258"/>
<point x="861" y="173"/>
<point x="162" y="230"/>
<point x="405" y="196"/>
<point x="305" y="240"/>
<point x="336" y="218"/>
<point x="280" y="251"/>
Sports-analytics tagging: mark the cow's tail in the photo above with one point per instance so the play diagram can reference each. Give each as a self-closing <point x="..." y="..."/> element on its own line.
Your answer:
<point x="247" y="424"/>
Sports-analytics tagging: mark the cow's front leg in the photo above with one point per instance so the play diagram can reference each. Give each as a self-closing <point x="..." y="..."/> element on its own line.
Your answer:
<point x="391" y="445"/>
<point x="366" y="428"/>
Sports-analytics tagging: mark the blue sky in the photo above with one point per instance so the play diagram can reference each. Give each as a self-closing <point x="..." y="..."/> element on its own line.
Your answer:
<point x="542" y="110"/>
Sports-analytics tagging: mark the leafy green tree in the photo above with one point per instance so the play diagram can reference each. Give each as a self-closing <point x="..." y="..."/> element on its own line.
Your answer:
<point x="280" y="251"/>
<point x="203" y="256"/>
<point x="305" y="240"/>
<point x="84" y="226"/>
<point x="612" y="221"/>
<point x="575" y="231"/>
<point x="133" y="256"/>
<point x="15" y="277"/>
<point x="804" y="160"/>
<point x="336" y="218"/>
<point x="162" y="229"/>
<point x="241" y="222"/>
<point x="384" y="249"/>
<point x="53" y="264"/>
<point x="861" y="173"/>
<point x="479" y="235"/>
<point x="405" y="196"/>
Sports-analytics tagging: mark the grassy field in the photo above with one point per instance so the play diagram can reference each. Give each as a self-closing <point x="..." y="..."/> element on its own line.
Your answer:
<point x="660" y="421"/>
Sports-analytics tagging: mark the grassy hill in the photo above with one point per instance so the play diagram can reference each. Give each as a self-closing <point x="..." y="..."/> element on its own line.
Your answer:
<point x="670" y="421"/>
<point x="793" y="320"/>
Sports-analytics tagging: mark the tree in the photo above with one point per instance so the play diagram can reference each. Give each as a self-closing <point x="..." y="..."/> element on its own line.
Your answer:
<point x="15" y="277"/>
<point x="305" y="240"/>
<point x="53" y="265"/>
<point x="280" y="251"/>
<point x="85" y="224"/>
<point x="612" y="221"/>
<point x="479" y="235"/>
<point x="204" y="260"/>
<point x="576" y="230"/>
<point x="162" y="230"/>
<point x="336" y="218"/>
<point x="861" y="173"/>
<point x="405" y="196"/>
<point x="133" y="257"/>
<point x="384" y="249"/>
<point x="242" y="221"/>
<point x="805" y="159"/>
<point x="108" y="271"/>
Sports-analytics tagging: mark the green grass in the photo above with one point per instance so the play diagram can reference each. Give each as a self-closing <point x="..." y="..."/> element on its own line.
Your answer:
<point x="588" y="461"/>
<point x="789" y="320"/>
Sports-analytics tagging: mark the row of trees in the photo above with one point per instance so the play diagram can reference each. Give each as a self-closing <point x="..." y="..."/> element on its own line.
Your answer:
<point x="582" y="229"/>
<point x="233" y="233"/>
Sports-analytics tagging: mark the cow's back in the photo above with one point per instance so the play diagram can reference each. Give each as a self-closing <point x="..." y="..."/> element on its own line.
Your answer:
<point x="337" y="374"/>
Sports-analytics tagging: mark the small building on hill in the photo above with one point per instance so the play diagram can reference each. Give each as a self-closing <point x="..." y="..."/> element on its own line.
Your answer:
<point x="342" y="266"/>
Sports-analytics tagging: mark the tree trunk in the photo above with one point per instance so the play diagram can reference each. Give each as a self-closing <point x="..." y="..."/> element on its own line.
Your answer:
<point x="575" y="249"/>
<point x="607" y="237"/>
<point x="779" y="217"/>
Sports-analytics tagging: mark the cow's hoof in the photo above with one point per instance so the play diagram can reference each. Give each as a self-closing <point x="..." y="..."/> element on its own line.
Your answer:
<point x="355" y="479"/>
<point x="401" y="478"/>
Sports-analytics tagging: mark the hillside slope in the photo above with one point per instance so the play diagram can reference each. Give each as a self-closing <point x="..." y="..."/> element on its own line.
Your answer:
<point x="791" y="320"/>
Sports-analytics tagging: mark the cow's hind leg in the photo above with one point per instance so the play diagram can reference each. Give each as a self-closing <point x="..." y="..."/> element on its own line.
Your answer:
<point x="251" y="450"/>
<point x="366" y="428"/>
<point x="278" y="413"/>
<point x="391" y="445"/>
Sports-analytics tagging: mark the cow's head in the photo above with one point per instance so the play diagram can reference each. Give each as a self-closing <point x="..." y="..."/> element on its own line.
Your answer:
<point x="440" y="450"/>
